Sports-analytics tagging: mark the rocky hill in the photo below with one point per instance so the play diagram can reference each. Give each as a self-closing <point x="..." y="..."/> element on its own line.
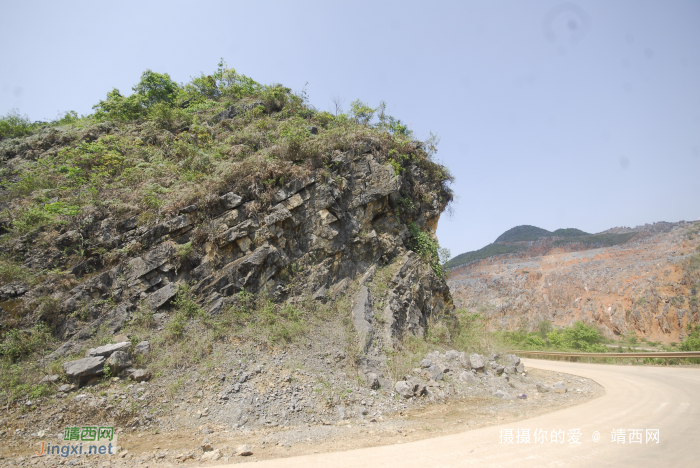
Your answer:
<point x="207" y="224"/>
<point x="645" y="287"/>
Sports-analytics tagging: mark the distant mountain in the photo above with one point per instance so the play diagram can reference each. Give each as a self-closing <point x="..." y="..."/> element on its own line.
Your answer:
<point x="526" y="233"/>
<point x="519" y="238"/>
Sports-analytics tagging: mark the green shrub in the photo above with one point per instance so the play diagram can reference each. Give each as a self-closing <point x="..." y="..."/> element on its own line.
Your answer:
<point x="13" y="125"/>
<point x="427" y="249"/>
<point x="692" y="341"/>
<point x="120" y="108"/>
<point x="361" y="112"/>
<point x="16" y="344"/>
<point x="31" y="218"/>
<point x="156" y="88"/>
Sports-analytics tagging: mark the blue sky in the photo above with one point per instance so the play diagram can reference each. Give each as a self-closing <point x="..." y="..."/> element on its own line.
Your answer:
<point x="556" y="114"/>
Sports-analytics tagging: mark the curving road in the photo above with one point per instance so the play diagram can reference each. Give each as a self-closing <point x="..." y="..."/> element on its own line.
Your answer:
<point x="663" y="398"/>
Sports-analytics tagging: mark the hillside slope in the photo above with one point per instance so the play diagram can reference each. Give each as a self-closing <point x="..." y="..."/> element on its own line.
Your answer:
<point x="646" y="287"/>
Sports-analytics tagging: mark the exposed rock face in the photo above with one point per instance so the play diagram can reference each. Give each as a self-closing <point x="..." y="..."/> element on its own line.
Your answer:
<point x="318" y="236"/>
<point x="643" y="287"/>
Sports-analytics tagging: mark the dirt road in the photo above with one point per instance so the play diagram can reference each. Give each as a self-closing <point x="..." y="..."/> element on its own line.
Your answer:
<point x="637" y="398"/>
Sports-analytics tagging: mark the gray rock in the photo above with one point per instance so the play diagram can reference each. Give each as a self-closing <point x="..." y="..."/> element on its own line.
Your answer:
<point x="50" y="378"/>
<point x="107" y="350"/>
<point x="520" y="368"/>
<point x="89" y="366"/>
<point x="417" y="386"/>
<point x="118" y="361"/>
<point x="140" y="375"/>
<point x="277" y="214"/>
<point x="468" y="378"/>
<point x="543" y="388"/>
<point x="243" y="451"/>
<point x="425" y="363"/>
<point x="214" y="455"/>
<point x="404" y="389"/>
<point x="312" y="130"/>
<point x="290" y="189"/>
<point x="503" y="395"/>
<point x="65" y="388"/>
<point x="373" y="380"/>
<point x="510" y="370"/>
<point x="362" y="314"/>
<point x="143" y="347"/>
<point x="128" y="224"/>
<point x="513" y="359"/>
<point x="230" y="201"/>
<point x="476" y="361"/>
<point x="499" y="369"/>
<point x="435" y="372"/>
<point x="161" y="296"/>
<point x="69" y="239"/>
<point x="188" y="209"/>
<point x="559" y="387"/>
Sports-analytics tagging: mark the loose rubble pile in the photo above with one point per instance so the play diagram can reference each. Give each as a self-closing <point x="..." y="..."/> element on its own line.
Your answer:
<point x="229" y="415"/>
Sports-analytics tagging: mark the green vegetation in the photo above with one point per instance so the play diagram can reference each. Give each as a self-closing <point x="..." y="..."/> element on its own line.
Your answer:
<point x="526" y="233"/>
<point x="692" y="341"/>
<point x="428" y="249"/>
<point x="523" y="233"/>
<point x="577" y="337"/>
<point x="485" y="252"/>
<point x="165" y="146"/>
<point x="569" y="232"/>
<point x="598" y="240"/>
<point x="13" y="125"/>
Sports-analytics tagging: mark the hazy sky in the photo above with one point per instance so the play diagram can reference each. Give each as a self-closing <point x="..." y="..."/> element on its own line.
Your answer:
<point x="554" y="114"/>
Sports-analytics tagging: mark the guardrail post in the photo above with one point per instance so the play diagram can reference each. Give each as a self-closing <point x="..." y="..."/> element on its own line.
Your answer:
<point x="666" y="361"/>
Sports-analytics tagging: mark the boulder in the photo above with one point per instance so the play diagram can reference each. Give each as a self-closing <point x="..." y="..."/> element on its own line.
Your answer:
<point x="543" y="388"/>
<point x="107" y="350"/>
<point x="425" y="363"/>
<point x="417" y="386"/>
<point x="559" y="387"/>
<point x="213" y="455"/>
<point x="435" y="372"/>
<point x="143" y="347"/>
<point x="476" y="361"/>
<point x="161" y="296"/>
<point x="468" y="378"/>
<point x="520" y="368"/>
<point x="86" y="367"/>
<point x="404" y="389"/>
<point x="243" y="450"/>
<point x="118" y="361"/>
<point x="140" y="375"/>
<point x="373" y="381"/>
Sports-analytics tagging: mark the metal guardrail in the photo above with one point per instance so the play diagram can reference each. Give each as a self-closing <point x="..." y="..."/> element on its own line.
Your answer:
<point x="651" y="354"/>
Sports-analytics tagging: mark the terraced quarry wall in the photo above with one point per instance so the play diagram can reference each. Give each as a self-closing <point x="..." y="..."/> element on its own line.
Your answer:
<point x="645" y="287"/>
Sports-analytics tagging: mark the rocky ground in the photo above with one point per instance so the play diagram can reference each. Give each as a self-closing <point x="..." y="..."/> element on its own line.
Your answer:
<point x="643" y="287"/>
<point x="260" y="409"/>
